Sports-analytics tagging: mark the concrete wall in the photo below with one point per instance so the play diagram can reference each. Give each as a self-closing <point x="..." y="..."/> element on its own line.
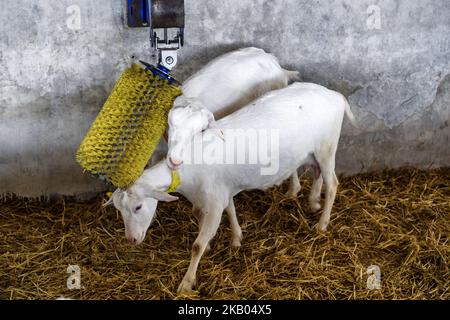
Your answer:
<point x="390" y="57"/>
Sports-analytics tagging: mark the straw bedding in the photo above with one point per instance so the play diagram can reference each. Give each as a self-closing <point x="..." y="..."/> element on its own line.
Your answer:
<point x="398" y="220"/>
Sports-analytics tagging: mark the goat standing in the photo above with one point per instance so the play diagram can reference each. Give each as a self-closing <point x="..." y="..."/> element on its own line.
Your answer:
<point x="308" y="118"/>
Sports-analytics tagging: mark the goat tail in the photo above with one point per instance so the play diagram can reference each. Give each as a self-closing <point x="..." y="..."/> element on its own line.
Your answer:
<point x="349" y="112"/>
<point x="292" y="75"/>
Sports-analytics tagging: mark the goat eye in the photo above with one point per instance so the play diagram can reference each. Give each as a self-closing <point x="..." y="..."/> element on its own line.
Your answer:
<point x="138" y="208"/>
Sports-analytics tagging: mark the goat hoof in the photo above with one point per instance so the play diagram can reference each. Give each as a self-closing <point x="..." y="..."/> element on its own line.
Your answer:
<point x="185" y="288"/>
<point x="322" y="227"/>
<point x="291" y="194"/>
<point x="236" y="243"/>
<point x="236" y="239"/>
<point x="315" y="206"/>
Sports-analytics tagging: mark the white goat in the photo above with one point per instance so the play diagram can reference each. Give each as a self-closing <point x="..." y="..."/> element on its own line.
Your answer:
<point x="221" y="87"/>
<point x="308" y="118"/>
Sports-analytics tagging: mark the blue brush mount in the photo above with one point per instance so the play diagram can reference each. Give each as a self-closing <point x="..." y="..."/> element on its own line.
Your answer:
<point x="160" y="71"/>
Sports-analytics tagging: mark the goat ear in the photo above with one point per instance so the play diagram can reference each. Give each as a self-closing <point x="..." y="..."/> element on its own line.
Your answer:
<point x="111" y="198"/>
<point x="163" y="196"/>
<point x="212" y="124"/>
<point x="109" y="202"/>
<point x="210" y="116"/>
<point x="180" y="101"/>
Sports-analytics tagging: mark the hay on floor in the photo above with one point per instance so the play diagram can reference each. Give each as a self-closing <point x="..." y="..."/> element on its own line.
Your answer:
<point x="397" y="220"/>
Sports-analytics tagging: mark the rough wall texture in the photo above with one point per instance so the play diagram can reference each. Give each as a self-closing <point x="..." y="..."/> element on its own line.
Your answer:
<point x="390" y="57"/>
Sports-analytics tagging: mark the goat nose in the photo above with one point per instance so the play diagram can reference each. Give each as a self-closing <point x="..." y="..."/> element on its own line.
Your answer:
<point x="175" y="162"/>
<point x="132" y="240"/>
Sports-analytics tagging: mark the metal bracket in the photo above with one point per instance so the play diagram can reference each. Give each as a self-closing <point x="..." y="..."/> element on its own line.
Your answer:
<point x="165" y="15"/>
<point x="167" y="47"/>
<point x="161" y="16"/>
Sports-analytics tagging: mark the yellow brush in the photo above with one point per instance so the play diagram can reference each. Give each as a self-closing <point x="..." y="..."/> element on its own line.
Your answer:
<point x="128" y="128"/>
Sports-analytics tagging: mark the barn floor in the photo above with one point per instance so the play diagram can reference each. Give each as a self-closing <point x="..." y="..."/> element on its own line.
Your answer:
<point x="397" y="220"/>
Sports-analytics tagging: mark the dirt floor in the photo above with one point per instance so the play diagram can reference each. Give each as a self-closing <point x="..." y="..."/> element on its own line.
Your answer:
<point x="398" y="220"/>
